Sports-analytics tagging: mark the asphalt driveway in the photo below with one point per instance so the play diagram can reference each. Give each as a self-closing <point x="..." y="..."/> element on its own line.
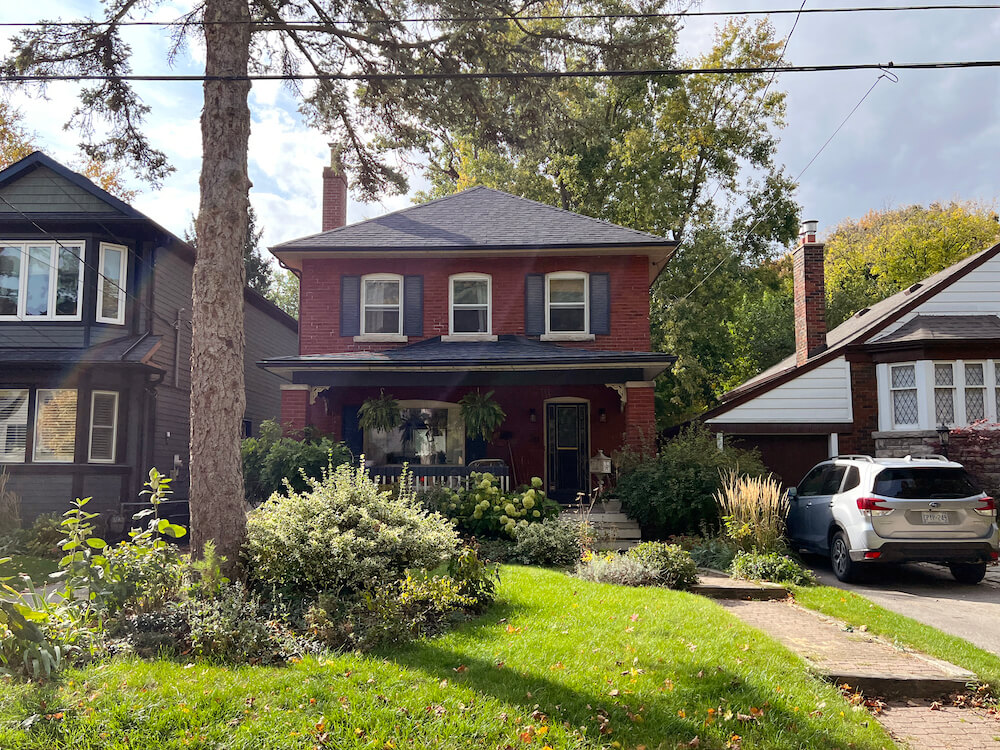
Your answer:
<point x="929" y="594"/>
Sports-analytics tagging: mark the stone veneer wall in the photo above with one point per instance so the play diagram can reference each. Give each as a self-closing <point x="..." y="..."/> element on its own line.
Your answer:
<point x="977" y="450"/>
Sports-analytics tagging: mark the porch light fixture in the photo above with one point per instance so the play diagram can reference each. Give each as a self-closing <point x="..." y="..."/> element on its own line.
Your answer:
<point x="602" y="415"/>
<point x="943" y="433"/>
<point x="532" y="415"/>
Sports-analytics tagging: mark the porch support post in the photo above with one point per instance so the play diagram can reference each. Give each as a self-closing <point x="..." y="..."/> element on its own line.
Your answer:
<point x="294" y="408"/>
<point x="640" y="415"/>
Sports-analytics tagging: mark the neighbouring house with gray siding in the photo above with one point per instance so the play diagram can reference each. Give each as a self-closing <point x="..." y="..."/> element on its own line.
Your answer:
<point x="95" y="343"/>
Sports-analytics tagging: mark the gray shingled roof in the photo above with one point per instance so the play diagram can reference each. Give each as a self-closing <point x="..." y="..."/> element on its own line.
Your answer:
<point x="945" y="328"/>
<point x="865" y="323"/>
<point x="506" y="350"/>
<point x="479" y="217"/>
<point x="130" y="350"/>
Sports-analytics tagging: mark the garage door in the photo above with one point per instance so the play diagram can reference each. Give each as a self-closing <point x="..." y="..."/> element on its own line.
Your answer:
<point x="788" y="457"/>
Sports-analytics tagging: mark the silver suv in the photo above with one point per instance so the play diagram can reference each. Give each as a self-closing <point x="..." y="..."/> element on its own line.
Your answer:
<point x="861" y="510"/>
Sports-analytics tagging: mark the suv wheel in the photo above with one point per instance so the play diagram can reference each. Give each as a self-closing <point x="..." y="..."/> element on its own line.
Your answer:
<point x="969" y="573"/>
<point x="840" y="558"/>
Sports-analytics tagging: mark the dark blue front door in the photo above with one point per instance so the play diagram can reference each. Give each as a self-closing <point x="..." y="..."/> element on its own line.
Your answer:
<point x="567" y="429"/>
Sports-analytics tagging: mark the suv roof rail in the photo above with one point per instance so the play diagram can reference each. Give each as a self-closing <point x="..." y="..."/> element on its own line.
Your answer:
<point x="857" y="457"/>
<point x="928" y="457"/>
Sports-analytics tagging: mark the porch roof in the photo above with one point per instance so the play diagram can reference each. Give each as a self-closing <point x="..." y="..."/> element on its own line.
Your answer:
<point x="479" y="361"/>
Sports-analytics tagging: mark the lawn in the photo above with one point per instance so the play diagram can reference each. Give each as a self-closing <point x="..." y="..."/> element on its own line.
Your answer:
<point x="38" y="568"/>
<point x="558" y="663"/>
<point x="856" y="610"/>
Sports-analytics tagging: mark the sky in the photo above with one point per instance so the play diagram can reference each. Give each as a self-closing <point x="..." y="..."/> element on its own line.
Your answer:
<point x="932" y="136"/>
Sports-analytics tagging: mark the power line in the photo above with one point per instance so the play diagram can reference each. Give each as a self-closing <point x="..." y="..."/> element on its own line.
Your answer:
<point x="319" y="25"/>
<point x="514" y="75"/>
<point x="885" y="74"/>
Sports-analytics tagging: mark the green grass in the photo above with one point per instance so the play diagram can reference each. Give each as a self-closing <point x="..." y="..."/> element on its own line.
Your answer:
<point x="36" y="567"/>
<point x="856" y="610"/>
<point x="558" y="655"/>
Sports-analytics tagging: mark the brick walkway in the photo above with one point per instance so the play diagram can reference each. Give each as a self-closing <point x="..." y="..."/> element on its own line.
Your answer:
<point x="920" y="728"/>
<point x="832" y="650"/>
<point x="825" y="644"/>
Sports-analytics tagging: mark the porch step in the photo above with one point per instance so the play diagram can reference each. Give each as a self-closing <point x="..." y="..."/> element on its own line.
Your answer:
<point x="614" y="530"/>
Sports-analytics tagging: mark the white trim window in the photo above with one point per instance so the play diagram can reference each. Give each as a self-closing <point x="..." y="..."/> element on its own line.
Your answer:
<point x="566" y="303"/>
<point x="975" y="392"/>
<point x="431" y="433"/>
<point x="382" y="304"/>
<point x="13" y="424"/>
<point x="903" y="394"/>
<point x="103" y="426"/>
<point x="944" y="393"/>
<point x="470" y="303"/>
<point x="55" y="425"/>
<point x="41" y="280"/>
<point x="111" y="284"/>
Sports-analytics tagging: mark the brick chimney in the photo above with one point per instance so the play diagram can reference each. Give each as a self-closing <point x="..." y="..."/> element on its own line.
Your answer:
<point x="810" y="294"/>
<point x="334" y="191"/>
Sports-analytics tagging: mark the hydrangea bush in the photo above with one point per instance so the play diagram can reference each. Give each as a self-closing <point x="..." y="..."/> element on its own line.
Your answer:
<point x="484" y="510"/>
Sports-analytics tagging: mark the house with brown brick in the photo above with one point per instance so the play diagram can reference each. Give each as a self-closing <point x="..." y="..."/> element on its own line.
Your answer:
<point x="479" y="292"/>
<point x="917" y="369"/>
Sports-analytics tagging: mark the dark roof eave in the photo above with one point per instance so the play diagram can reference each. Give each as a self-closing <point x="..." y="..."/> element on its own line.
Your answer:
<point x="277" y="250"/>
<point x="506" y="364"/>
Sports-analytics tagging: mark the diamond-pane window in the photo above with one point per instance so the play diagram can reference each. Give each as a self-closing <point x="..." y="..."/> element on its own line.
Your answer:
<point x="904" y="407"/>
<point x="944" y="405"/>
<point x="904" y="376"/>
<point x="975" y="404"/>
<point x="974" y="374"/>
<point x="944" y="375"/>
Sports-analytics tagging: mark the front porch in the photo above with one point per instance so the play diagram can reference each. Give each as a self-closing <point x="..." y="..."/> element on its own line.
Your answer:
<point x="452" y="477"/>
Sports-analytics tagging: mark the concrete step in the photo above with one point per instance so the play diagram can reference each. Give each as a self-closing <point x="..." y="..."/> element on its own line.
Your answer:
<point x="599" y="517"/>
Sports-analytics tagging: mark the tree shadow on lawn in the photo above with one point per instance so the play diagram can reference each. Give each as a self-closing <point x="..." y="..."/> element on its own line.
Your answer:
<point x="669" y="710"/>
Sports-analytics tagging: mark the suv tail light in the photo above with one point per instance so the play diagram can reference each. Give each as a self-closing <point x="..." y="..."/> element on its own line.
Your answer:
<point x="873" y="506"/>
<point x="988" y="507"/>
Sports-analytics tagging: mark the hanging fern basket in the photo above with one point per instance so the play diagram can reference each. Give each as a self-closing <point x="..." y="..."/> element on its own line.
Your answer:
<point x="380" y="414"/>
<point x="481" y="414"/>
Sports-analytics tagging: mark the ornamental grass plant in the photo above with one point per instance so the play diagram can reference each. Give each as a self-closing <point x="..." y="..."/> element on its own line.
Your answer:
<point x="753" y="511"/>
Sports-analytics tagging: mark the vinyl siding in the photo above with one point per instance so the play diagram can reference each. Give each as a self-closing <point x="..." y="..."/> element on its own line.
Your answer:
<point x="977" y="293"/>
<point x="819" y="395"/>
<point x="266" y="337"/>
<point x="43" y="191"/>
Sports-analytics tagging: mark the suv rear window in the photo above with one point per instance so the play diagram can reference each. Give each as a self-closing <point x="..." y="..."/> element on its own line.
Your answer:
<point x="918" y="483"/>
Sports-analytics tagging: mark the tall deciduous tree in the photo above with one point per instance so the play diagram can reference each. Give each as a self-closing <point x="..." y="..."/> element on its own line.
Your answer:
<point x="371" y="119"/>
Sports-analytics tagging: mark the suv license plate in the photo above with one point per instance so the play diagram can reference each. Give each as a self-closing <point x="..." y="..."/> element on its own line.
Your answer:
<point x="934" y="518"/>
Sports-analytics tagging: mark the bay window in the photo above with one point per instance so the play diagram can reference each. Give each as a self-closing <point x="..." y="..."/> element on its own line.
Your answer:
<point x="944" y="393"/>
<point x="41" y="280"/>
<point x="13" y="425"/>
<point x="55" y="425"/>
<point x="926" y="394"/>
<point x="903" y="388"/>
<point x="103" y="426"/>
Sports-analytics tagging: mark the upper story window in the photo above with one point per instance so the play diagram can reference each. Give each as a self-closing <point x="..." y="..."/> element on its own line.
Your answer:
<point x="111" y="283"/>
<point x="381" y="304"/>
<point x="470" y="298"/>
<point x="566" y="302"/>
<point x="41" y="280"/>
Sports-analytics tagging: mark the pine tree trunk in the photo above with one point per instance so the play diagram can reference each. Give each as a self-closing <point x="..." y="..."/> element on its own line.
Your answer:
<point x="218" y="397"/>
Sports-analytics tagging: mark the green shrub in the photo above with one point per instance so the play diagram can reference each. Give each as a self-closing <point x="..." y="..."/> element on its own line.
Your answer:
<point x="270" y="460"/>
<point x="44" y="536"/>
<point x="344" y="535"/>
<point x="716" y="552"/>
<point x="477" y="580"/>
<point x="753" y="511"/>
<point x="484" y="511"/>
<point x="674" y="566"/>
<point x="495" y="550"/>
<point x="618" y="569"/>
<point x="754" y="566"/>
<point x="555" y="541"/>
<point x="232" y="628"/>
<point x="10" y="505"/>
<point x="674" y="493"/>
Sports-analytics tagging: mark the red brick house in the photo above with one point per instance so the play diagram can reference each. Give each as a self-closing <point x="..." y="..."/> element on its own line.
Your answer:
<point x="478" y="291"/>
<point x="887" y="380"/>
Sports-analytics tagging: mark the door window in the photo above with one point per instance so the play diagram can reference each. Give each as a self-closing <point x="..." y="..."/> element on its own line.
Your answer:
<point x="813" y="481"/>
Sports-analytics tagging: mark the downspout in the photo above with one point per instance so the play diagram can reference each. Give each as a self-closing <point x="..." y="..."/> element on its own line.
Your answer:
<point x="177" y="348"/>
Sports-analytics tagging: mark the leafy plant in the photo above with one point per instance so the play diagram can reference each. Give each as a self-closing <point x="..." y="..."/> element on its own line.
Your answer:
<point x="477" y="581"/>
<point x="270" y="460"/>
<point x="674" y="566"/>
<point x="622" y="570"/>
<point x="380" y="414"/>
<point x="232" y="627"/>
<point x="754" y="566"/>
<point x="25" y="645"/>
<point x="673" y="493"/>
<point x="44" y="536"/>
<point x="753" y="511"/>
<point x="484" y="510"/>
<point x="555" y="541"/>
<point x="344" y="535"/>
<point x="481" y="414"/>
<point x="710" y="551"/>
<point x="84" y="567"/>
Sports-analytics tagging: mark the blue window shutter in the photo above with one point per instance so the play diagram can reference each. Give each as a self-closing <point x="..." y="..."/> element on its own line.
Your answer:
<point x="350" y="305"/>
<point x="413" y="305"/>
<point x="600" y="304"/>
<point x="534" y="304"/>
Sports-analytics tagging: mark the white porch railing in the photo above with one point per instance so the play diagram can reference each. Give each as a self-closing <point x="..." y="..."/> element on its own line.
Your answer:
<point x="429" y="477"/>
